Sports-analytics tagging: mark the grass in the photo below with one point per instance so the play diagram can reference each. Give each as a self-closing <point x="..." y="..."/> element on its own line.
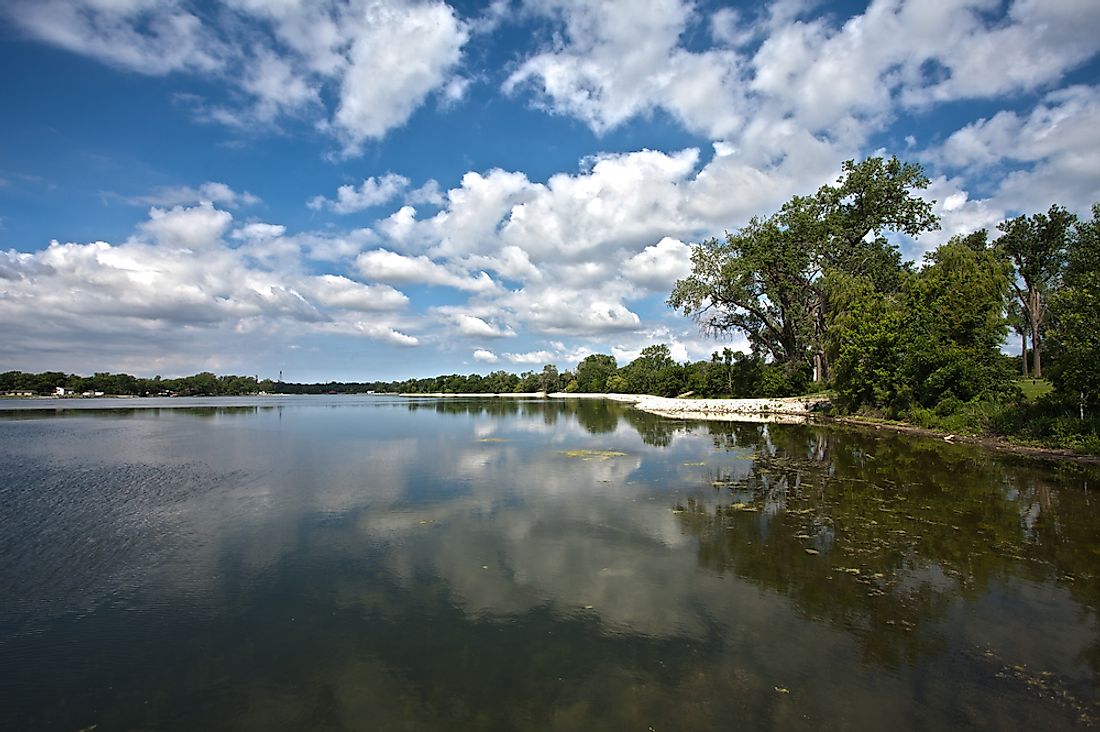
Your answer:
<point x="1034" y="388"/>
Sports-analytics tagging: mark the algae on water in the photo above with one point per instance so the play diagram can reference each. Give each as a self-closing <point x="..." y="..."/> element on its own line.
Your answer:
<point x="593" y="454"/>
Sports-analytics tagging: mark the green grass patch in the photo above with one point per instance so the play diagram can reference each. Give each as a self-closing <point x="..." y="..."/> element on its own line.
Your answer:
<point x="1032" y="389"/>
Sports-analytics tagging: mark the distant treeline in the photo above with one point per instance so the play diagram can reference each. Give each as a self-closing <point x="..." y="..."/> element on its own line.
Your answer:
<point x="201" y="384"/>
<point x="727" y="373"/>
<point x="654" y="371"/>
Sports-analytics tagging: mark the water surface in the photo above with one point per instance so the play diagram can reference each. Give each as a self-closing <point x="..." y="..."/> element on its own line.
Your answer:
<point x="362" y="563"/>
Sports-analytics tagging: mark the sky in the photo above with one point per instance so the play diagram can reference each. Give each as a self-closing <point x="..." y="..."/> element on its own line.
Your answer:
<point x="381" y="189"/>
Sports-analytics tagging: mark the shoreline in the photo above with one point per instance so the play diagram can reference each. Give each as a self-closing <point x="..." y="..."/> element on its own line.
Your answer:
<point x="989" y="442"/>
<point x="801" y="410"/>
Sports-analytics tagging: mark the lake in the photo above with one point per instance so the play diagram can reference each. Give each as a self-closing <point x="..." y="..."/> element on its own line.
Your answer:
<point x="377" y="563"/>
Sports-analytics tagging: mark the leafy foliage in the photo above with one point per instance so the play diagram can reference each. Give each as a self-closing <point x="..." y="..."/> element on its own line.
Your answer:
<point x="767" y="280"/>
<point x="1036" y="246"/>
<point x="1075" y="310"/>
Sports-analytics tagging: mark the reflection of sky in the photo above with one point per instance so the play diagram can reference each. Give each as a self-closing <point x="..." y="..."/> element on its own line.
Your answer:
<point x="207" y="509"/>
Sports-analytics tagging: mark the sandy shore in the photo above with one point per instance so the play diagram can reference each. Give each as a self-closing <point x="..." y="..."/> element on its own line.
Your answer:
<point x="789" y="409"/>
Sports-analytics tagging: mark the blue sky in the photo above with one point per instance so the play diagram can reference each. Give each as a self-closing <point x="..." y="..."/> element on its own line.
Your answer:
<point x="362" y="190"/>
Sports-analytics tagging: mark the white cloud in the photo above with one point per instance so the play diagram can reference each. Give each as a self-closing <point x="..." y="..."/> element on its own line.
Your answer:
<point x="371" y="192"/>
<point x="1049" y="154"/>
<point x="398" y="55"/>
<point x="621" y="58"/>
<point x="622" y="199"/>
<point x="1063" y="123"/>
<point x="617" y="60"/>
<point x="470" y="325"/>
<point x="177" y="290"/>
<point x="386" y="266"/>
<point x="576" y="249"/>
<point x="531" y="357"/>
<point x="210" y="192"/>
<point x="332" y="247"/>
<point x="428" y="193"/>
<point x="258" y="231"/>
<point x="485" y="356"/>
<point x="341" y="292"/>
<point x="376" y="61"/>
<point x="658" y="267"/>
<point x="560" y="310"/>
<point x="277" y="86"/>
<point x="142" y="36"/>
<point x="194" y="228"/>
<point x="385" y="334"/>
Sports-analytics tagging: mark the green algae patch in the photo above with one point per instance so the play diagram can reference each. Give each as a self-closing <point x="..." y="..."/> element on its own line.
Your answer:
<point x="593" y="454"/>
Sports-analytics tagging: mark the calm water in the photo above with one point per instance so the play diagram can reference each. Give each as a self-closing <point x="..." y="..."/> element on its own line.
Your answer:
<point x="344" y="563"/>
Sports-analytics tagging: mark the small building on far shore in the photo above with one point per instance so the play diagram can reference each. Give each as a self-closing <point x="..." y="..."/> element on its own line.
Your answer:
<point x="18" y="393"/>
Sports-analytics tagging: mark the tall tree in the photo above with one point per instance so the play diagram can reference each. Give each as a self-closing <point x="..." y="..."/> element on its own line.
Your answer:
<point x="938" y="337"/>
<point x="1075" y="316"/>
<point x="767" y="279"/>
<point x="653" y="372"/>
<point x="1036" y="246"/>
<point x="594" y="371"/>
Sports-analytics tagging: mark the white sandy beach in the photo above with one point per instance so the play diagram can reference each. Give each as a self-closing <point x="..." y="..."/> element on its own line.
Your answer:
<point x="792" y="409"/>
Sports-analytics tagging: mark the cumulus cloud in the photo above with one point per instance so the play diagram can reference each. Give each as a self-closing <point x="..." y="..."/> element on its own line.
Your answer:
<point x="531" y="358"/>
<point x="471" y="325"/>
<point x="259" y="231"/>
<point x="387" y="266"/>
<point x="485" y="356"/>
<point x="340" y="292"/>
<point x="179" y="279"/>
<point x="382" y="333"/>
<point x="377" y="61"/>
<point x="1048" y="154"/>
<point x="658" y="267"/>
<point x="398" y="55"/>
<point x="568" y="255"/>
<point x="622" y="58"/>
<point x="191" y="228"/>
<point x="614" y="61"/>
<point x="371" y="192"/>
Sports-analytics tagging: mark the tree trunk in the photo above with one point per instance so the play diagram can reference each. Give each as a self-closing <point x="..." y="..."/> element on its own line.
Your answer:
<point x="1023" y="347"/>
<point x="1035" y="313"/>
<point x="821" y="364"/>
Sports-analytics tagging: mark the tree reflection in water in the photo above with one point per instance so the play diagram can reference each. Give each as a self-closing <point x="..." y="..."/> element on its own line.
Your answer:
<point x="880" y="535"/>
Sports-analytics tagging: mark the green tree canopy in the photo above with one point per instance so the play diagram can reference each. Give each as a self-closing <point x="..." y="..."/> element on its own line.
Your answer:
<point x="594" y="371"/>
<point x="1036" y="246"/>
<point x="1075" y="311"/>
<point x="653" y="372"/>
<point x="766" y="280"/>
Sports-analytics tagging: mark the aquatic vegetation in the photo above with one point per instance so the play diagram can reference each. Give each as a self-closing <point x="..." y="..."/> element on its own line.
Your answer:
<point x="593" y="454"/>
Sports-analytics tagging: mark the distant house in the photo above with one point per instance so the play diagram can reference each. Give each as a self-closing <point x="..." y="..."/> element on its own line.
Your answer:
<point x="59" y="391"/>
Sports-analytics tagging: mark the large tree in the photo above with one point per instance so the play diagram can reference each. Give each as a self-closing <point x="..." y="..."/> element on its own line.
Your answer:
<point x="1075" y="311"/>
<point x="938" y="337"/>
<point x="594" y="371"/>
<point x="653" y="372"/>
<point x="767" y="279"/>
<point x="1036" y="246"/>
